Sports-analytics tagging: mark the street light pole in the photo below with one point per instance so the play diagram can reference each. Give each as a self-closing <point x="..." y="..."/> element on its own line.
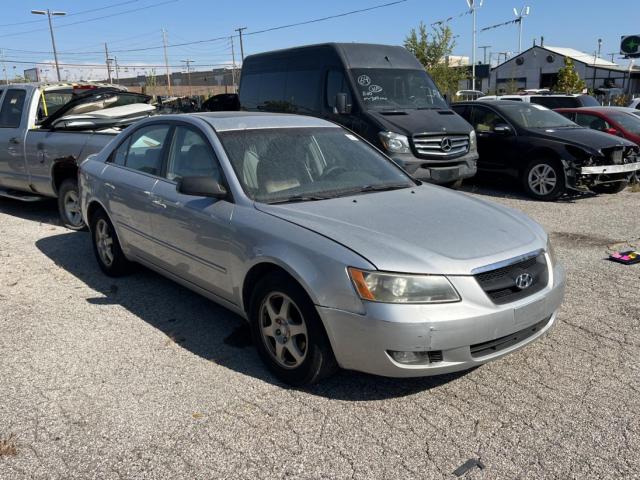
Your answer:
<point x="49" y="14"/>
<point x="188" y="61"/>
<point x="520" y="18"/>
<point x="473" y="6"/>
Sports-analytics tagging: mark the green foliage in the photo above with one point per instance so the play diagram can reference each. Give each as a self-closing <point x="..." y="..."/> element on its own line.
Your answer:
<point x="432" y="51"/>
<point x="568" y="79"/>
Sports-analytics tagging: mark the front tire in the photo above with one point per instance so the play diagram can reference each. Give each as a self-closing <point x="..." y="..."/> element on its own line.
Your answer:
<point x="610" y="188"/>
<point x="288" y="333"/>
<point x="106" y="246"/>
<point x="69" y="205"/>
<point x="543" y="179"/>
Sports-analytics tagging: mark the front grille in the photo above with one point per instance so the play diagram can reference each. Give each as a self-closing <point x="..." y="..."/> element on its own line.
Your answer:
<point x="440" y="146"/>
<point x="493" y="346"/>
<point x="435" y="356"/>
<point x="500" y="283"/>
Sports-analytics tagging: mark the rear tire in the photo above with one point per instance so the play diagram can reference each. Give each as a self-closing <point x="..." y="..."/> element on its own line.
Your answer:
<point x="106" y="246"/>
<point x="69" y="205"/>
<point x="543" y="179"/>
<point x="610" y="188"/>
<point x="288" y="333"/>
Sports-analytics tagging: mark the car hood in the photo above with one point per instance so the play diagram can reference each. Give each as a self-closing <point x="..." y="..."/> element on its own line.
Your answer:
<point x="427" y="229"/>
<point x="409" y="122"/>
<point x="584" y="137"/>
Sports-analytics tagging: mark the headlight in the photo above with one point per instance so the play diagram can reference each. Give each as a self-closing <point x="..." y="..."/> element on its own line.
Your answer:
<point x="402" y="288"/>
<point x="394" y="142"/>
<point x="473" y="141"/>
<point x="551" y="252"/>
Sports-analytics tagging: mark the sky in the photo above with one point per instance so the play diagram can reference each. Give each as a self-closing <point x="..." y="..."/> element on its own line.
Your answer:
<point x="135" y="25"/>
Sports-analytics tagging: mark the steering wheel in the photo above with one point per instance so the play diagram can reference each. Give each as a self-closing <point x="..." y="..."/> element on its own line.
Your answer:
<point x="333" y="172"/>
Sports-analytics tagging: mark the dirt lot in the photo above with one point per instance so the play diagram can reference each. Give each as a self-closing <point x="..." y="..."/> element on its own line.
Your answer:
<point x="140" y="378"/>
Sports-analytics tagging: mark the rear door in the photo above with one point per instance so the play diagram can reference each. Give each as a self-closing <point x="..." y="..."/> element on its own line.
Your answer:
<point x="129" y="177"/>
<point x="194" y="233"/>
<point x="13" y="171"/>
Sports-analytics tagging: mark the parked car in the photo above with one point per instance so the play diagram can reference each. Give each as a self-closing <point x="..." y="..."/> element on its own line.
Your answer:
<point x="381" y="92"/>
<point x="46" y="129"/>
<point x="549" y="100"/>
<point x="547" y="152"/>
<point x="223" y="102"/>
<point x="635" y="103"/>
<point x="619" y="121"/>
<point x="300" y="226"/>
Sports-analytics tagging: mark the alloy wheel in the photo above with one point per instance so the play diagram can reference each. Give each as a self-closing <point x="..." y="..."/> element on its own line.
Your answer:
<point x="72" y="208"/>
<point x="104" y="242"/>
<point x="542" y="179"/>
<point x="283" y="329"/>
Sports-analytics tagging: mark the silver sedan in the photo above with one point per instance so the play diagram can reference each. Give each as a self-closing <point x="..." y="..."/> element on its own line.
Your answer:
<point x="331" y="252"/>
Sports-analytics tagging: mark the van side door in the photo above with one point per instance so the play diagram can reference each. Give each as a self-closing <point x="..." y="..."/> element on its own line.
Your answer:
<point x="13" y="110"/>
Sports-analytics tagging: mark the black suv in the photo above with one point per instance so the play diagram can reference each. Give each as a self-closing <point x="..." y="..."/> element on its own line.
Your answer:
<point x="547" y="152"/>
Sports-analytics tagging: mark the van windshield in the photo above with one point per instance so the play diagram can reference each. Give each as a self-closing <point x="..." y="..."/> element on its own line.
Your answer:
<point x="396" y="89"/>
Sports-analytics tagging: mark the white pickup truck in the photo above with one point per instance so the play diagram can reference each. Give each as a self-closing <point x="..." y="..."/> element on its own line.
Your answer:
<point x="47" y="130"/>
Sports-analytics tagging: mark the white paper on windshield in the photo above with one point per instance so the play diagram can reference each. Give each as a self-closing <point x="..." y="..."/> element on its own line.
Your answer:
<point x="351" y="137"/>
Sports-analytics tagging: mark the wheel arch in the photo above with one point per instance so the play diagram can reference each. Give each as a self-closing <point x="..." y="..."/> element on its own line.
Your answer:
<point x="62" y="169"/>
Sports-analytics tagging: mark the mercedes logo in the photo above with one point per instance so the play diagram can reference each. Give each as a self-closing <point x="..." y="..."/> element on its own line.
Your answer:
<point x="524" y="280"/>
<point x="445" y="144"/>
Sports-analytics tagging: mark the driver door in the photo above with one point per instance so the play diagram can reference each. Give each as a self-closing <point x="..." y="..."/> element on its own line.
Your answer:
<point x="496" y="150"/>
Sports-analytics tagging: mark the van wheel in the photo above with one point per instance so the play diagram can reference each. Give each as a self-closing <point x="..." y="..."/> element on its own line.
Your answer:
<point x="609" y="188"/>
<point x="288" y="333"/>
<point x="543" y="179"/>
<point x="106" y="246"/>
<point x="69" y="205"/>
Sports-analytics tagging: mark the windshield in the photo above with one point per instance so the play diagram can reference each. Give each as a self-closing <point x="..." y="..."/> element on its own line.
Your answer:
<point x="630" y="122"/>
<point x="396" y="89"/>
<point x="536" y="116"/>
<point x="298" y="164"/>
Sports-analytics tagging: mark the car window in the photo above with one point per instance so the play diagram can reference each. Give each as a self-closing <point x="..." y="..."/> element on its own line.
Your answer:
<point x="556" y="102"/>
<point x="191" y="155"/>
<point x="484" y="120"/>
<point x="119" y="156"/>
<point x="302" y="90"/>
<point x="12" y="107"/>
<point x="337" y="83"/>
<point x="591" y="121"/>
<point x="145" y="148"/>
<point x="53" y="100"/>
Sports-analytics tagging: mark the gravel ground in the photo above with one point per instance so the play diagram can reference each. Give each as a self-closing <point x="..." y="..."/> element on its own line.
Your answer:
<point x="140" y="378"/>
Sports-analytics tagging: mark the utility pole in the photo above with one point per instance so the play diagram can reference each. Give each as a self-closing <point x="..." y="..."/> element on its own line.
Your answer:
<point x="115" y="59"/>
<point x="596" y="55"/>
<point x="473" y="6"/>
<point x="49" y="14"/>
<point x="166" y="61"/>
<point x="188" y="61"/>
<point x="107" y="61"/>
<point x="233" y="60"/>
<point x="484" y="50"/>
<point x="4" y="67"/>
<point x="239" y="30"/>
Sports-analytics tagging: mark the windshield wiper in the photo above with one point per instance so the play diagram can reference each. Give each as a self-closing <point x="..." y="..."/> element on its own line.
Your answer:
<point x="298" y="198"/>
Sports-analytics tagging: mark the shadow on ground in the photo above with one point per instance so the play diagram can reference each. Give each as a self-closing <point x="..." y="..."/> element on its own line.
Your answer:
<point x="42" y="211"/>
<point x="203" y="327"/>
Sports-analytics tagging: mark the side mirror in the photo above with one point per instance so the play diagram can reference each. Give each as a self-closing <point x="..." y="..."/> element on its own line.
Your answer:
<point x="340" y="103"/>
<point x="612" y="131"/>
<point x="201" y="187"/>
<point x="502" y="129"/>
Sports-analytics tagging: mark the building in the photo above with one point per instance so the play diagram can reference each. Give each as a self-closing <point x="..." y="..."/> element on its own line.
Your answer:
<point x="538" y="67"/>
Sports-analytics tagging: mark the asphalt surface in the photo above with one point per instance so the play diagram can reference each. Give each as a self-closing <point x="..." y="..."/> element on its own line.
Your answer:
<point x="139" y="378"/>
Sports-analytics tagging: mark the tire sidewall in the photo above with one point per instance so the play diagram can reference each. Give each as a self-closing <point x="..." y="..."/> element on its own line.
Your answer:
<point x="557" y="191"/>
<point x="65" y="187"/>
<point x="319" y="358"/>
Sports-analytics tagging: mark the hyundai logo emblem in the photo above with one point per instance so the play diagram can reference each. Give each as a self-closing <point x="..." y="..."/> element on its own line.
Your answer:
<point x="524" y="280"/>
<point x="445" y="144"/>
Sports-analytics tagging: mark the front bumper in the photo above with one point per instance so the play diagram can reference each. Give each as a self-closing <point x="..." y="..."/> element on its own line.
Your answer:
<point x="609" y="169"/>
<point x="440" y="170"/>
<point x="361" y="342"/>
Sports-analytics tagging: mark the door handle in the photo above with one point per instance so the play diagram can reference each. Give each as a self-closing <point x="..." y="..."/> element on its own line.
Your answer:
<point x="110" y="185"/>
<point x="14" y="140"/>
<point x="158" y="203"/>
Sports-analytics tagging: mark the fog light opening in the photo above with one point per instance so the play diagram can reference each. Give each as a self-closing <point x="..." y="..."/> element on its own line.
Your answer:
<point x="416" y="358"/>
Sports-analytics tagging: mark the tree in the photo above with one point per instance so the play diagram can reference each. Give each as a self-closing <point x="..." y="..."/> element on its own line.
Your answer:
<point x="432" y="51"/>
<point x="568" y="79"/>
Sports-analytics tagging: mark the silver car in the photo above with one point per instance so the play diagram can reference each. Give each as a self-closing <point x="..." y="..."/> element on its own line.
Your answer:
<point x="331" y="252"/>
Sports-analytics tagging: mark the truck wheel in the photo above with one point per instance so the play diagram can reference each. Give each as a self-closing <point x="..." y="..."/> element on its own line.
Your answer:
<point x="288" y="333"/>
<point x="608" y="188"/>
<point x="69" y="205"/>
<point x="543" y="179"/>
<point x="106" y="246"/>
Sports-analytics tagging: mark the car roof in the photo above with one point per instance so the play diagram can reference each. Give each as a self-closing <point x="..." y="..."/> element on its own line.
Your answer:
<point x="605" y="109"/>
<point x="225" y="121"/>
<point x="493" y="103"/>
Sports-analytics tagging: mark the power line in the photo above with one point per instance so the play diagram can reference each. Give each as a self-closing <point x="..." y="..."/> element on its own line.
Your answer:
<point x="63" y="25"/>
<point x="102" y="65"/>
